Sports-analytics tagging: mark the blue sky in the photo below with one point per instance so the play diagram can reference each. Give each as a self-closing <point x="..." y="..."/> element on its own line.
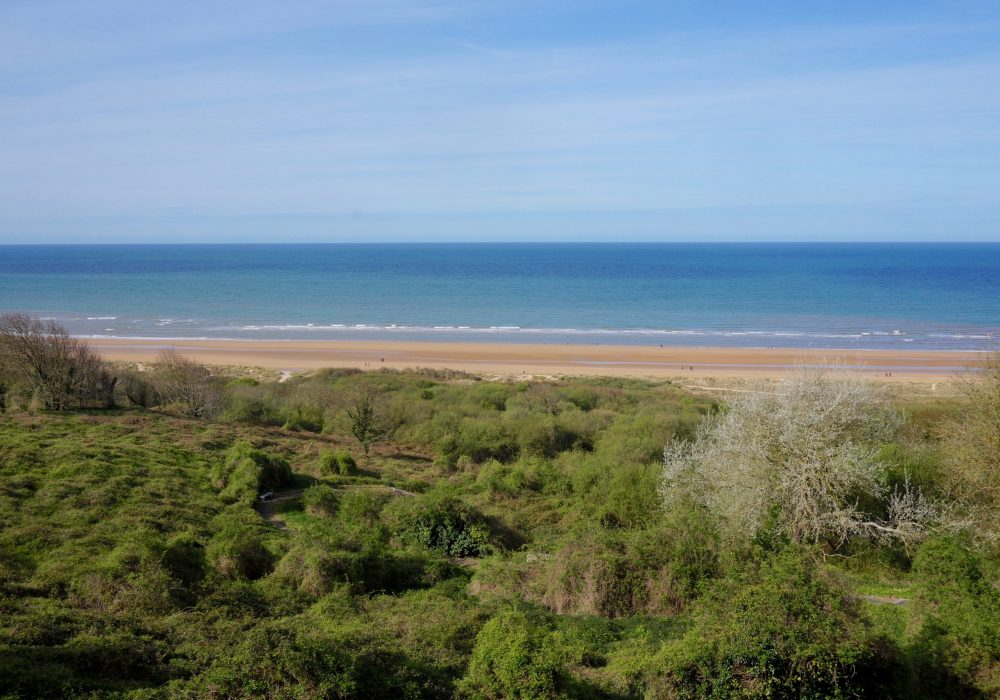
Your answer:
<point x="438" y="120"/>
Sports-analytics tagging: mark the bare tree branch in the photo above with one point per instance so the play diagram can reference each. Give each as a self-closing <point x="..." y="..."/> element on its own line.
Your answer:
<point x="58" y="370"/>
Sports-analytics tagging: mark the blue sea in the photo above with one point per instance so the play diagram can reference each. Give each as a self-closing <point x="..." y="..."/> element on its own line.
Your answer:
<point x="905" y="296"/>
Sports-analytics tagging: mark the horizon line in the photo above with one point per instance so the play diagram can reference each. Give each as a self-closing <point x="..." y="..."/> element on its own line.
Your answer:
<point x="499" y="242"/>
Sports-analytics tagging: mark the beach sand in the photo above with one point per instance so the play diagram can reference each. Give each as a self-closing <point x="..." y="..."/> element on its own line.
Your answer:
<point x="547" y="360"/>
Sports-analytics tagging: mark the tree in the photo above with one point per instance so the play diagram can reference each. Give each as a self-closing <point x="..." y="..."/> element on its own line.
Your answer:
<point x="57" y="369"/>
<point x="802" y="462"/>
<point x="364" y="418"/>
<point x="186" y="384"/>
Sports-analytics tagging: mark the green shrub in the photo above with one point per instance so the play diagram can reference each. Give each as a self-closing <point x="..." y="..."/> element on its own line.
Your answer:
<point x="130" y="580"/>
<point x="779" y="630"/>
<point x="630" y="496"/>
<point x="238" y="549"/>
<point x="593" y="576"/>
<point x="503" y="479"/>
<point x="131" y="389"/>
<point x="515" y="657"/>
<point x="184" y="559"/>
<point x="620" y="574"/>
<point x="552" y="479"/>
<point x="246" y="471"/>
<point x="450" y="532"/>
<point x="479" y="440"/>
<point x="361" y="507"/>
<point x="320" y="500"/>
<point x="493" y="396"/>
<point x="250" y="405"/>
<point x="240" y="555"/>
<point x="686" y="552"/>
<point x="438" y="520"/>
<point x="304" y="417"/>
<point x="280" y="661"/>
<point x="543" y="436"/>
<point x="583" y="398"/>
<point x="959" y="643"/>
<point x="338" y="462"/>
<point x="639" y="438"/>
<point x="316" y="571"/>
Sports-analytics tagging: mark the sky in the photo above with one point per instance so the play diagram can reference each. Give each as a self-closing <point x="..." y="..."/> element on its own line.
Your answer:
<point x="488" y="120"/>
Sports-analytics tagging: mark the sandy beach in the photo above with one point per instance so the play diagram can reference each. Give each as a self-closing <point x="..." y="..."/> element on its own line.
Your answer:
<point x="547" y="360"/>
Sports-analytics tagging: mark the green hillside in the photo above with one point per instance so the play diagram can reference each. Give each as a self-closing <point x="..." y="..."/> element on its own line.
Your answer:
<point x="500" y="540"/>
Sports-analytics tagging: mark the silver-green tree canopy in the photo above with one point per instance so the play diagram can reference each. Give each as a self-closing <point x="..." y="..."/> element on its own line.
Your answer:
<point x="800" y="458"/>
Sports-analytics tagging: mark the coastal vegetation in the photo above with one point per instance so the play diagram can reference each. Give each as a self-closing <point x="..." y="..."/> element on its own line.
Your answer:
<point x="174" y="531"/>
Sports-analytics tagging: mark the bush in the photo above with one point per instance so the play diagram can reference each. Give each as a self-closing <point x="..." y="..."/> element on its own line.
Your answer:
<point x="630" y="497"/>
<point x="479" y="440"/>
<point x="959" y="644"/>
<point x="503" y="479"/>
<point x="365" y="416"/>
<point x="438" y="520"/>
<point x="281" y="661"/>
<point x="638" y="438"/>
<point x="777" y="630"/>
<point x="515" y="657"/>
<point x="304" y="417"/>
<point x="130" y="581"/>
<point x="320" y="500"/>
<point x="246" y="471"/>
<point x="686" y="550"/>
<point x="240" y="555"/>
<point x="184" y="560"/>
<point x="249" y="404"/>
<point x="650" y="572"/>
<point x="551" y="478"/>
<point x="360" y="507"/>
<point x="582" y="397"/>
<point x="237" y="550"/>
<point x="339" y="463"/>
<point x="543" y="436"/>
<point x="134" y="389"/>
<point x="588" y="576"/>
<point x="493" y="396"/>
<point x="186" y="385"/>
<point x="315" y="570"/>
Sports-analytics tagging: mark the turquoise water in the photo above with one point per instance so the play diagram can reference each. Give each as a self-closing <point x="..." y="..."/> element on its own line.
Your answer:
<point x="920" y="296"/>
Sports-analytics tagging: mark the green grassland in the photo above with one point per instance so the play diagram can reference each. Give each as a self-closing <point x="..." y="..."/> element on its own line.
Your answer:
<point x="500" y="540"/>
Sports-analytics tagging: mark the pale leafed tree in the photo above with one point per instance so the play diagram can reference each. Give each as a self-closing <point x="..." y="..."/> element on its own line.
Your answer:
<point x="801" y="457"/>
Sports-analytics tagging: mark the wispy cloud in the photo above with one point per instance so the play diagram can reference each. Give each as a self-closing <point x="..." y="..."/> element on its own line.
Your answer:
<point x="423" y="113"/>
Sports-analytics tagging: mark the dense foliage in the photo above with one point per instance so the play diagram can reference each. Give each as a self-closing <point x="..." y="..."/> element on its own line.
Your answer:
<point x="501" y="540"/>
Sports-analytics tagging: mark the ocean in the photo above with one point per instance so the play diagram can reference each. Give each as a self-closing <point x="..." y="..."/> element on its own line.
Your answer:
<point x="893" y="296"/>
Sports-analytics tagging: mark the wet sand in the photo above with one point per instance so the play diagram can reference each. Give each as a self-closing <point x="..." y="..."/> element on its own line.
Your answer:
<point x="547" y="359"/>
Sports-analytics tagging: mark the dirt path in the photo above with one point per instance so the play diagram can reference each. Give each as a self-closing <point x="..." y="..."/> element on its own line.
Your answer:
<point x="269" y="510"/>
<point x="884" y="600"/>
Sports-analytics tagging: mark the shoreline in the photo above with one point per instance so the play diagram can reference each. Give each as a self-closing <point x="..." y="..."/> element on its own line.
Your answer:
<point x="534" y="359"/>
